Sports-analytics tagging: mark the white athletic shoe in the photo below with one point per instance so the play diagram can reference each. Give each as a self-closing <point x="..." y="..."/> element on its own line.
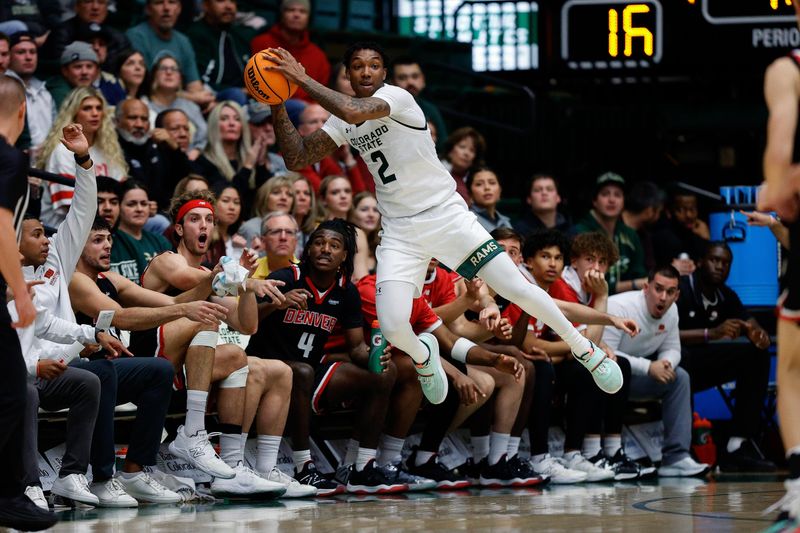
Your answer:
<point x="686" y="467"/>
<point x="430" y="373"/>
<point x="247" y="484"/>
<point x="144" y="488"/>
<point x="198" y="452"/>
<point x="112" y="494"/>
<point x="558" y="473"/>
<point x="294" y="489"/>
<point x="594" y="472"/>
<point x="605" y="372"/>
<point x="74" y="487"/>
<point x="36" y="495"/>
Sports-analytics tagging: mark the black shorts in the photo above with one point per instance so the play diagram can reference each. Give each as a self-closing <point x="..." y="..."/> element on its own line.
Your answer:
<point x="150" y="343"/>
<point x="322" y="376"/>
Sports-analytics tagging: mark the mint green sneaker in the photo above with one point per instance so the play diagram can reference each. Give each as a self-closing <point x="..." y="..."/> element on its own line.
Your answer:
<point x="606" y="373"/>
<point x="430" y="373"/>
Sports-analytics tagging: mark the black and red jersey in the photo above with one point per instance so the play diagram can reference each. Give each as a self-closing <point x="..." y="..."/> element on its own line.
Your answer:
<point x="300" y="334"/>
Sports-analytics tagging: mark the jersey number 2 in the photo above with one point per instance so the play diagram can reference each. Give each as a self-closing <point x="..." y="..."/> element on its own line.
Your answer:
<point x="378" y="156"/>
<point x="306" y="343"/>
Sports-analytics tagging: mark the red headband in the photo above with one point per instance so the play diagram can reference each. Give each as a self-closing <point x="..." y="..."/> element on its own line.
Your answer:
<point x="191" y="204"/>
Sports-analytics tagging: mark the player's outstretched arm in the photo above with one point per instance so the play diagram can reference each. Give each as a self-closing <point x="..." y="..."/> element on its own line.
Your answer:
<point x="586" y="315"/>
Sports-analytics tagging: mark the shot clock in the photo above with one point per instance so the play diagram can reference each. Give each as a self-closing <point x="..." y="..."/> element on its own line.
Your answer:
<point x="611" y="34"/>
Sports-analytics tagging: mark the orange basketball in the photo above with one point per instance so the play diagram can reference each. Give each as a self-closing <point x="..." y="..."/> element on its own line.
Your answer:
<point x="267" y="87"/>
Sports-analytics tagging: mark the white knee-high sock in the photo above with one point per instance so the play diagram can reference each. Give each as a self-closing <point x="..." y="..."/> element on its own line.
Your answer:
<point x="267" y="452"/>
<point x="393" y="301"/>
<point x="503" y="276"/>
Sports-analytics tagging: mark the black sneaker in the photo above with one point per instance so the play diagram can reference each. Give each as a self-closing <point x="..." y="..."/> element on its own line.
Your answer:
<point x="522" y="475"/>
<point x="445" y="479"/>
<point x="748" y="458"/>
<point x="496" y="475"/>
<point x="21" y="513"/>
<point x="309" y="476"/>
<point x="624" y="468"/>
<point x="399" y="475"/>
<point x="646" y="467"/>
<point x="471" y="470"/>
<point x="372" y="480"/>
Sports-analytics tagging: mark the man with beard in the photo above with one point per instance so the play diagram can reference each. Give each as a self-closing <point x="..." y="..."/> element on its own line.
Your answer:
<point x="710" y="311"/>
<point x="172" y="273"/>
<point x="154" y="157"/>
<point x="177" y="321"/>
<point x="39" y="102"/>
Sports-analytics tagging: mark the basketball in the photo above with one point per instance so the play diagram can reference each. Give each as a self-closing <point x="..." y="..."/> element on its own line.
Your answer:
<point x="267" y="87"/>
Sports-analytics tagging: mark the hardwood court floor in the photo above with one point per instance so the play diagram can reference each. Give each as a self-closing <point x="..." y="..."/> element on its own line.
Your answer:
<point x="674" y="505"/>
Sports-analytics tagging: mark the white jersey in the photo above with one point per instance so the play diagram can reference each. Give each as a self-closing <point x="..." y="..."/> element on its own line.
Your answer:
<point x="400" y="154"/>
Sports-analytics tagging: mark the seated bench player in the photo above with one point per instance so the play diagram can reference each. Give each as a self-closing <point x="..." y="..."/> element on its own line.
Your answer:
<point x="258" y="389"/>
<point x="319" y="295"/>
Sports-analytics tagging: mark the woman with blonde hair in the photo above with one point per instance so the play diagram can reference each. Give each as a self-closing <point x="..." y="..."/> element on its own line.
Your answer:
<point x="87" y="107"/>
<point x="276" y="194"/>
<point x="365" y="215"/>
<point x="230" y="156"/>
<point x="307" y="211"/>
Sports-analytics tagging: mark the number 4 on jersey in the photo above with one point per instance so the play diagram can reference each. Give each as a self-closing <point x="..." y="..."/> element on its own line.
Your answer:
<point x="378" y="156"/>
<point x="306" y="343"/>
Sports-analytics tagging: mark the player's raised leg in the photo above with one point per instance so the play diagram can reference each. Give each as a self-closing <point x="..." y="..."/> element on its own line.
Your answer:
<point x="393" y="301"/>
<point x="503" y="276"/>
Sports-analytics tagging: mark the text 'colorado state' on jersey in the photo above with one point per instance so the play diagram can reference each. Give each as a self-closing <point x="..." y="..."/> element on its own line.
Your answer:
<point x="300" y="334"/>
<point x="400" y="154"/>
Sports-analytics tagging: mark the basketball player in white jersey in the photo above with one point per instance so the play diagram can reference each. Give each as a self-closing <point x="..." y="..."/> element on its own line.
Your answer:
<point x="422" y="214"/>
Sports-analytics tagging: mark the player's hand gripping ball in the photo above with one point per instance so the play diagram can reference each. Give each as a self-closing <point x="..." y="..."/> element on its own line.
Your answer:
<point x="265" y="86"/>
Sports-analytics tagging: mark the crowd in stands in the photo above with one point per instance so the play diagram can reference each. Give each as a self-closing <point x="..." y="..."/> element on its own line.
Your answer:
<point x="186" y="173"/>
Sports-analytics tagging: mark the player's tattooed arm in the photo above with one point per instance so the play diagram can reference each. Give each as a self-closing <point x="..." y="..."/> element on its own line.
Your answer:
<point x="351" y="110"/>
<point x="299" y="152"/>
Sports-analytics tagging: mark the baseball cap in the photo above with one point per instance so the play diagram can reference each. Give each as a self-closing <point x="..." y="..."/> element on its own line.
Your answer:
<point x="92" y="30"/>
<point x="608" y="178"/>
<point x="258" y="113"/>
<point x="78" y="51"/>
<point x="21" y="37"/>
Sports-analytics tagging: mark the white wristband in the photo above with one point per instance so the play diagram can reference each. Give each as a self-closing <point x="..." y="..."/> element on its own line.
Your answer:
<point x="460" y="349"/>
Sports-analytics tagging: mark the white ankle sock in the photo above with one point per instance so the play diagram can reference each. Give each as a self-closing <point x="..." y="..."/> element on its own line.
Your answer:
<point x="244" y="442"/>
<point x="267" y="452"/>
<point x="423" y="457"/>
<point x="352" y="452"/>
<point x="498" y="446"/>
<point x="611" y="445"/>
<point x="230" y="448"/>
<point x="734" y="443"/>
<point x="591" y="446"/>
<point x="364" y="456"/>
<point x="390" y="450"/>
<point x="480" y="447"/>
<point x="513" y="447"/>
<point x="300" y="458"/>
<point x="195" y="411"/>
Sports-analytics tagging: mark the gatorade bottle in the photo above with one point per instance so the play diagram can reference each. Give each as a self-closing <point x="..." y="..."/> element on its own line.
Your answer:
<point x="377" y="344"/>
<point x="702" y="444"/>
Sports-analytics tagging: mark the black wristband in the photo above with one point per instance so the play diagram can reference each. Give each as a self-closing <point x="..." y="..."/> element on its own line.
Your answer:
<point x="82" y="159"/>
